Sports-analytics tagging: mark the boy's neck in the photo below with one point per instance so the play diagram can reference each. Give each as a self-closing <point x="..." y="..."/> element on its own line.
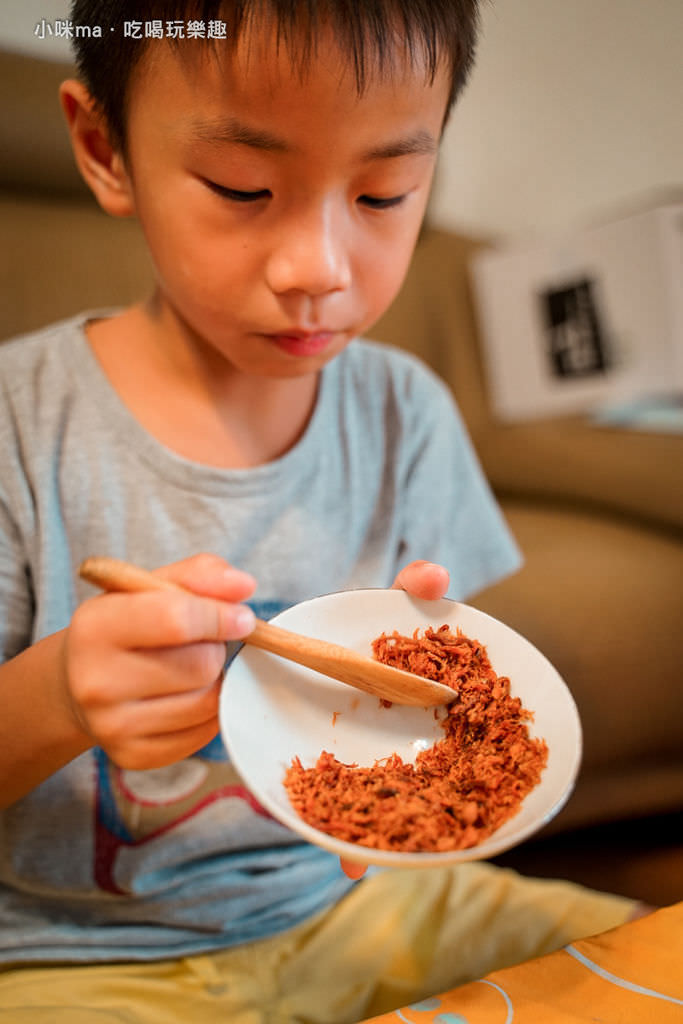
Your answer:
<point x="194" y="402"/>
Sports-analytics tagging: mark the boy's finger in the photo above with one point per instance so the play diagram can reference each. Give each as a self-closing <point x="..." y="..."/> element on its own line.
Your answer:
<point x="425" y="580"/>
<point x="166" y="714"/>
<point x="150" y="676"/>
<point x="174" y="670"/>
<point x="144" y="752"/>
<point x="211" y="576"/>
<point x="162" y="619"/>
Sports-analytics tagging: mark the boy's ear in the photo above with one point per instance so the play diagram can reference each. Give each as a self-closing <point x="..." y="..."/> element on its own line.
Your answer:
<point x="100" y="164"/>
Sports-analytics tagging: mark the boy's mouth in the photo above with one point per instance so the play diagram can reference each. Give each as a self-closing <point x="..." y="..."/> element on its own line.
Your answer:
<point x="303" y="343"/>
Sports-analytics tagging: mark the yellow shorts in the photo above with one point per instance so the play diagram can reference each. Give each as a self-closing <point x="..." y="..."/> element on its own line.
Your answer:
<point x="397" y="937"/>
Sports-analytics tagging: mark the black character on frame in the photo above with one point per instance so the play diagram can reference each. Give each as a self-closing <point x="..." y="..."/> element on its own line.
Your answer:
<point x="576" y="338"/>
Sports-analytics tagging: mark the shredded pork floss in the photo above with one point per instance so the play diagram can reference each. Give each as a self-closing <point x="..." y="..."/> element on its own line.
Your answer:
<point x="459" y="791"/>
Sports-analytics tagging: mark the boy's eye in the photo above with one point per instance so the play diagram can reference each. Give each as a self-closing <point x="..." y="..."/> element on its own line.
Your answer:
<point x="376" y="203"/>
<point x="235" y="194"/>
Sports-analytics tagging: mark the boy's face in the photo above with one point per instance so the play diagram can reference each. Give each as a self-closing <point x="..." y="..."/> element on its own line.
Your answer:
<point x="280" y="208"/>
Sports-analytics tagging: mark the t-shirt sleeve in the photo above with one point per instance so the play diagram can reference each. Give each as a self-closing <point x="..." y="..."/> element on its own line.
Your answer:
<point x="16" y="601"/>
<point x="19" y="520"/>
<point x="449" y="513"/>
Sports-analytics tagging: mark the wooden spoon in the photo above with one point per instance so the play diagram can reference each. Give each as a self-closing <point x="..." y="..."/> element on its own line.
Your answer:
<point x="340" y="663"/>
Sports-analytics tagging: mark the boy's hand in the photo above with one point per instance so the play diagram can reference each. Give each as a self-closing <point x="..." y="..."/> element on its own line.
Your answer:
<point x="141" y="672"/>
<point x="429" y="582"/>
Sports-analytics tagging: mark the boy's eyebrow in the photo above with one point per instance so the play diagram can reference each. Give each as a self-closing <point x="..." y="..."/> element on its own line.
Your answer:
<point x="231" y="130"/>
<point x="222" y="130"/>
<point x="421" y="142"/>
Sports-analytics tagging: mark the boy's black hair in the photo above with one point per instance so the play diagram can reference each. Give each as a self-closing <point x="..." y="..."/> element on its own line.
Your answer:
<point x="366" y="30"/>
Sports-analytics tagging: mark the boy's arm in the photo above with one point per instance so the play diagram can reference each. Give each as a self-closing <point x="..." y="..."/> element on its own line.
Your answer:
<point x="39" y="732"/>
<point x="136" y="674"/>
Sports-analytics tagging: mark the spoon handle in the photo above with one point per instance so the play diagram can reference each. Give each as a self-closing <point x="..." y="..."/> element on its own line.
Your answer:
<point x="341" y="663"/>
<point x="348" y="666"/>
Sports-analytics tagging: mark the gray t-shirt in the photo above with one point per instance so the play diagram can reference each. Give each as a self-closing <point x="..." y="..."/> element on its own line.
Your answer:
<point x="103" y="864"/>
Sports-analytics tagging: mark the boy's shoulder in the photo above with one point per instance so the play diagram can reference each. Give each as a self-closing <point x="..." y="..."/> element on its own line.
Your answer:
<point x="23" y="350"/>
<point x="39" y="371"/>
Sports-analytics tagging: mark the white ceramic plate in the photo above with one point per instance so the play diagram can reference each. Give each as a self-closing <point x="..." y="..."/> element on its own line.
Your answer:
<point x="272" y="710"/>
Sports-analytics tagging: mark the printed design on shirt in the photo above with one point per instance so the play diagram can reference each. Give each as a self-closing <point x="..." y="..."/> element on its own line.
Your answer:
<point x="136" y="807"/>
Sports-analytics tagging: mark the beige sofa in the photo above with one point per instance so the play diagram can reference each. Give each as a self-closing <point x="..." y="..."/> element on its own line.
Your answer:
<point x="598" y="512"/>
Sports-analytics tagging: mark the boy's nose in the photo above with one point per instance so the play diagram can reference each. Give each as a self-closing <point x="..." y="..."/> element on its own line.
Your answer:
<point x="311" y="257"/>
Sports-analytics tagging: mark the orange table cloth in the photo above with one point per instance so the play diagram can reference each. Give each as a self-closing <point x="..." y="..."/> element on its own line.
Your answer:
<point x="629" y="975"/>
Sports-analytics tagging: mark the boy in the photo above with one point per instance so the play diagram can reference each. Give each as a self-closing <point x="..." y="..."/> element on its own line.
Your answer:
<point x="280" y="175"/>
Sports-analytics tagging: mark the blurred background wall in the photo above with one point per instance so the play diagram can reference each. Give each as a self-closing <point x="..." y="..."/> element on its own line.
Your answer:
<point x="574" y="107"/>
